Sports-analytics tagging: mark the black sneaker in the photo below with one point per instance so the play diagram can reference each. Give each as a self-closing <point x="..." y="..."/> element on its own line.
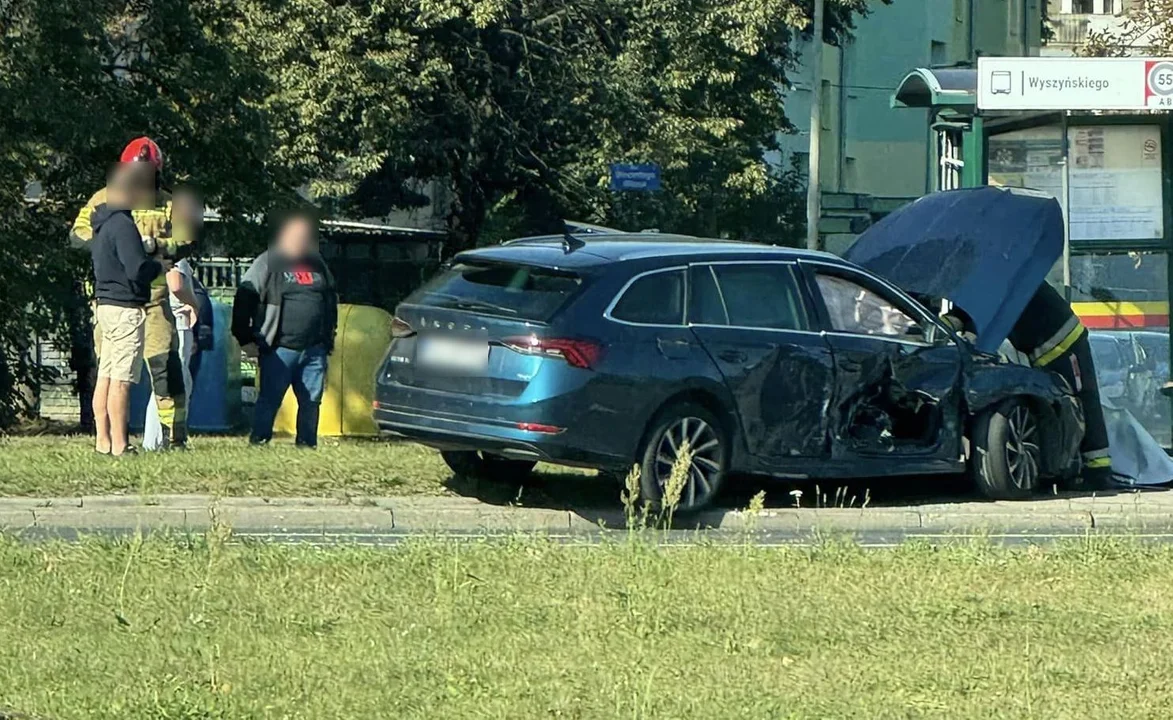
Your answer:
<point x="129" y="451"/>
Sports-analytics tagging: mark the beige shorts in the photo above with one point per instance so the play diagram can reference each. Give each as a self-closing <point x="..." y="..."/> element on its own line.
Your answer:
<point x="123" y="339"/>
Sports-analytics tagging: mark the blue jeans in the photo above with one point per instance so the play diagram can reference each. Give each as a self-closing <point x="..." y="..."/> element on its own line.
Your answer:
<point x="280" y="368"/>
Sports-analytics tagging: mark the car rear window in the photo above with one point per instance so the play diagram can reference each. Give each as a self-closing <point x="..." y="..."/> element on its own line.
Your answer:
<point x="514" y="291"/>
<point x="654" y="299"/>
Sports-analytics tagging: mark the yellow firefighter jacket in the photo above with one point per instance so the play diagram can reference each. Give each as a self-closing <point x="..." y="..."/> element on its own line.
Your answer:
<point x="172" y="240"/>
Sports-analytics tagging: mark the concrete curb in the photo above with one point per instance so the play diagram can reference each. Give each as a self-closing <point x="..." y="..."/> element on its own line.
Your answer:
<point x="1132" y="512"/>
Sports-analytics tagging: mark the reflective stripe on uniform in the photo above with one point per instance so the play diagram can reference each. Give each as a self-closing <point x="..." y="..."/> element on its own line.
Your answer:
<point x="1096" y="458"/>
<point x="1058" y="343"/>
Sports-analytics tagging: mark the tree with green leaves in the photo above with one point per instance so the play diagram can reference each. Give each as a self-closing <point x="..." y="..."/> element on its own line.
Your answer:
<point x="77" y="80"/>
<point x="1147" y="29"/>
<point x="516" y="108"/>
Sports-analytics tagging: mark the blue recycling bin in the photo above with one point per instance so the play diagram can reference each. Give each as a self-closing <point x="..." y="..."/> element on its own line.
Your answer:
<point x="140" y="396"/>
<point x="215" y="395"/>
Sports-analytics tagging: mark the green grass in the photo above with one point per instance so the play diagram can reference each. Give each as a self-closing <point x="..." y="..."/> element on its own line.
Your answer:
<point x="67" y="466"/>
<point x="528" y="629"/>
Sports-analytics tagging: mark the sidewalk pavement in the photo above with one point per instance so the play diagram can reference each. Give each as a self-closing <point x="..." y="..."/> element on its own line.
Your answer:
<point x="1132" y="512"/>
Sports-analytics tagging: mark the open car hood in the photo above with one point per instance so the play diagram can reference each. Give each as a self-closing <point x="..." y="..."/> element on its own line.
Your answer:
<point x="986" y="249"/>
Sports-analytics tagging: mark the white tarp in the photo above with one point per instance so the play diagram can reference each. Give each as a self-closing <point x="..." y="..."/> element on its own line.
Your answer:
<point x="1137" y="459"/>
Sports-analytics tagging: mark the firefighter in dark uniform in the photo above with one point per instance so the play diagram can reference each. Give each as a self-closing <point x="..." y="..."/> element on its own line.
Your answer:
<point x="1050" y="334"/>
<point x="161" y="238"/>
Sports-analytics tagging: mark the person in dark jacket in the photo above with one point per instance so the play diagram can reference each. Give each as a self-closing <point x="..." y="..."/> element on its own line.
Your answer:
<point x="167" y="233"/>
<point x="1051" y="335"/>
<point x="285" y="313"/>
<point x="122" y="286"/>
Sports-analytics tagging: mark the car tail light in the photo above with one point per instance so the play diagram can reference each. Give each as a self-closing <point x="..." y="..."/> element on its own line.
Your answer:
<point x="400" y="328"/>
<point x="576" y="353"/>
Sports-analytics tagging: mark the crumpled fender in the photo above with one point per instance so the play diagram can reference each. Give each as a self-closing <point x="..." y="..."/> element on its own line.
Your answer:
<point x="988" y="382"/>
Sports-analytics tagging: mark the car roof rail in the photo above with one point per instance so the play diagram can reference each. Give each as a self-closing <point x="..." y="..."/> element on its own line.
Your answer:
<point x="584" y="228"/>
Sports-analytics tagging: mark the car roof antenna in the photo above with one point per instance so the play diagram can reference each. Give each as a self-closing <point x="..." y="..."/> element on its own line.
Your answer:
<point x="570" y="243"/>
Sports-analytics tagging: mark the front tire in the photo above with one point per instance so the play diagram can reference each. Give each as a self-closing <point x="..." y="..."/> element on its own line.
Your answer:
<point x="662" y="446"/>
<point x="487" y="466"/>
<point x="1006" y="463"/>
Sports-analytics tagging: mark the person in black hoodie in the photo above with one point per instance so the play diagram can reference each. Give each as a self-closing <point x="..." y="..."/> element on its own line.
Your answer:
<point x="122" y="283"/>
<point x="285" y="313"/>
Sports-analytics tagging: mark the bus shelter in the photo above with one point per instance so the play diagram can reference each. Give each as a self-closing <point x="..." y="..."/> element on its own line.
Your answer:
<point x="1110" y="170"/>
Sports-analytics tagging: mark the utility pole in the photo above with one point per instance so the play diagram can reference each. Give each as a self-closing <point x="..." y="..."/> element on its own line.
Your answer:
<point x="812" y="190"/>
<point x="1066" y="192"/>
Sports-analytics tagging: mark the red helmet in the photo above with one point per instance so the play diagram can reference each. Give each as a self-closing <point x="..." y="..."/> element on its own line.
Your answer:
<point x="143" y="149"/>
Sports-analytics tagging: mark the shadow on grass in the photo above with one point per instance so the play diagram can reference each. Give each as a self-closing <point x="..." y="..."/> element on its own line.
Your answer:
<point x="596" y="497"/>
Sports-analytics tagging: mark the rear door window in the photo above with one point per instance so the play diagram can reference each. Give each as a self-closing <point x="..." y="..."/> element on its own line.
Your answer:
<point x="505" y="290"/>
<point x="705" y="304"/>
<point x="754" y="295"/>
<point x="653" y="299"/>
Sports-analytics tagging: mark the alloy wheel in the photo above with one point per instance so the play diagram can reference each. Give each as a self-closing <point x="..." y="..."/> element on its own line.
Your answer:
<point x="704" y="443"/>
<point x="1022" y="448"/>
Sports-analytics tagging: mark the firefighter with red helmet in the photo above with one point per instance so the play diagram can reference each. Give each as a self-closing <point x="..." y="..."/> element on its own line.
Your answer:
<point x="165" y="237"/>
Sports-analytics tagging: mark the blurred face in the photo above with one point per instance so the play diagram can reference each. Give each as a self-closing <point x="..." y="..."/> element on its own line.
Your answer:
<point x="188" y="207"/>
<point x="297" y="237"/>
<point x="132" y="185"/>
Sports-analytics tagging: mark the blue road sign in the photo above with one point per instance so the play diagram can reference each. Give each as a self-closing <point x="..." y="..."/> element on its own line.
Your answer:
<point x="627" y="177"/>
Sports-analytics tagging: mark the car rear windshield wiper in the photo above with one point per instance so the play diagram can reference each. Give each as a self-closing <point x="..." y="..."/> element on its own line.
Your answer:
<point x="483" y="306"/>
<point x="465" y="304"/>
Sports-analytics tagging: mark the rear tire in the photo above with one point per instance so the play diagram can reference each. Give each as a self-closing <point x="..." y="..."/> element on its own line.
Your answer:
<point x="487" y="466"/>
<point x="710" y="462"/>
<point x="1006" y="463"/>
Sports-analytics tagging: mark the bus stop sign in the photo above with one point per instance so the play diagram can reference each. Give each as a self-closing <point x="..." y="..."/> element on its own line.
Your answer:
<point x="1034" y="83"/>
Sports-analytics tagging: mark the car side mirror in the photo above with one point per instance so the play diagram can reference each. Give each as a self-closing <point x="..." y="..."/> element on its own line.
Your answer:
<point x="934" y="335"/>
<point x="927" y="333"/>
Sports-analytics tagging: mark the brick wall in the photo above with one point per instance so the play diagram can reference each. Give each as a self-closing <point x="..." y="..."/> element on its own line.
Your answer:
<point x="57" y="400"/>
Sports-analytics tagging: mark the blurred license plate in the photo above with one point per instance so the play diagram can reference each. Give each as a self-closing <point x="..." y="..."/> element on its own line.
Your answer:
<point x="454" y="354"/>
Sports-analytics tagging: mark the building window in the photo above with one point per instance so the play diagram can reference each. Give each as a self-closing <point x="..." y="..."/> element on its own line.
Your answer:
<point x="1089" y="7"/>
<point x="825" y="110"/>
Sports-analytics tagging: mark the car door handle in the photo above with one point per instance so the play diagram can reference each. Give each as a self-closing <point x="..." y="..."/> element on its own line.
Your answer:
<point x="674" y="348"/>
<point x="732" y="356"/>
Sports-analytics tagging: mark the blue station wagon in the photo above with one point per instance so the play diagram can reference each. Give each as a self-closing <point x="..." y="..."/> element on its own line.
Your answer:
<point x="610" y="350"/>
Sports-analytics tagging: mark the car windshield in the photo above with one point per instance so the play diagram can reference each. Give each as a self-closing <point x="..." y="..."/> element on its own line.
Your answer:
<point x="515" y="291"/>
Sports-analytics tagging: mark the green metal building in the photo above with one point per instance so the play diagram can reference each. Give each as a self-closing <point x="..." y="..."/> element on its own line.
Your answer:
<point x="873" y="158"/>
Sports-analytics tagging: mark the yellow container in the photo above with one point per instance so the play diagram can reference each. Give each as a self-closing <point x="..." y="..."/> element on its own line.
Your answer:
<point x="360" y="342"/>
